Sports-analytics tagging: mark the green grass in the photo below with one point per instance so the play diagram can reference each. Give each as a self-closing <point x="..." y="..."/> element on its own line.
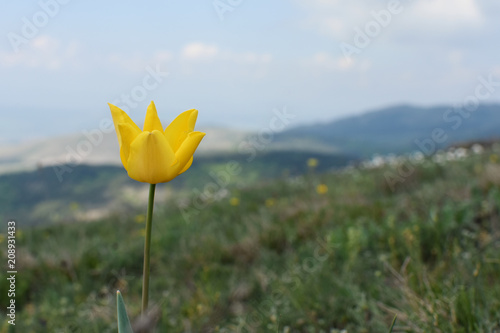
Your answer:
<point x="351" y="259"/>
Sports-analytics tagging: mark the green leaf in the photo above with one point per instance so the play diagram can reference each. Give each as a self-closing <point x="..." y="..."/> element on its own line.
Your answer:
<point x="393" y="323"/>
<point x="123" y="321"/>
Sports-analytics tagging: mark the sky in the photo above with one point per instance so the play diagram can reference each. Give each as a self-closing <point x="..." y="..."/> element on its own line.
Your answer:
<point x="237" y="61"/>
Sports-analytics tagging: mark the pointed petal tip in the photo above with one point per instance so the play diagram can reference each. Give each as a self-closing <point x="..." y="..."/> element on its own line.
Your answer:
<point x="152" y="121"/>
<point x="112" y="106"/>
<point x="202" y="134"/>
<point x="194" y="114"/>
<point x="196" y="135"/>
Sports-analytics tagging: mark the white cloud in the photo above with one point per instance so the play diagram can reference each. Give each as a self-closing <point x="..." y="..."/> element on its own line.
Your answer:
<point x="136" y="63"/>
<point x="322" y="62"/>
<point x="43" y="52"/>
<point x="454" y="12"/>
<point x="49" y="53"/>
<point x="339" y="18"/>
<point x="203" y="59"/>
<point x="199" y="51"/>
<point x="326" y="61"/>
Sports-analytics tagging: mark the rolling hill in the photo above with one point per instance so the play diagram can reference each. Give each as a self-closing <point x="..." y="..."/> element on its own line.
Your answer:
<point x="398" y="128"/>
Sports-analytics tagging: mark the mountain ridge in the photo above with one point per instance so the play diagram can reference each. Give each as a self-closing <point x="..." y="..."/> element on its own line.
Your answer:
<point x="398" y="129"/>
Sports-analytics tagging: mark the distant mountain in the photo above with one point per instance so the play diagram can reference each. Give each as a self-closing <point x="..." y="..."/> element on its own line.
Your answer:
<point x="398" y="129"/>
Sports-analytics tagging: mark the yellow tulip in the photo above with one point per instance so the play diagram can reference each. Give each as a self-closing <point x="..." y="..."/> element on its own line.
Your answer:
<point x="154" y="155"/>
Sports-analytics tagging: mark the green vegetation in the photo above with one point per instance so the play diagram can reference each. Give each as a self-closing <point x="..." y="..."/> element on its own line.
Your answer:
<point x="82" y="192"/>
<point x="283" y="258"/>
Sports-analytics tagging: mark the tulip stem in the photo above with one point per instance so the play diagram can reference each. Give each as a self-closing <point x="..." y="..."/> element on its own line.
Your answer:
<point x="147" y="247"/>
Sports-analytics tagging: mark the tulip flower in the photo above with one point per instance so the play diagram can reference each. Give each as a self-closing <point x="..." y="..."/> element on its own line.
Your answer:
<point x="155" y="155"/>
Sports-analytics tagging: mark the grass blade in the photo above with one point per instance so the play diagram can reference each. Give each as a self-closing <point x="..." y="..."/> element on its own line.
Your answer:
<point x="393" y="323"/>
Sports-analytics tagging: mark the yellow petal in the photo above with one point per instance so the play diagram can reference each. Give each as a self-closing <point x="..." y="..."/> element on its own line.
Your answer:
<point x="152" y="122"/>
<point x="120" y="117"/>
<point x="127" y="134"/>
<point x="188" y="147"/>
<point x="178" y="129"/>
<point x="187" y="166"/>
<point x="151" y="159"/>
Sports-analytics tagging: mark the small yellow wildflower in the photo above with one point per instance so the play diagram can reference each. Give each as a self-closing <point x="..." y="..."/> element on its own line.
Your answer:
<point x="234" y="201"/>
<point x="270" y="202"/>
<point x="140" y="218"/>
<point x="322" y="189"/>
<point x="312" y="162"/>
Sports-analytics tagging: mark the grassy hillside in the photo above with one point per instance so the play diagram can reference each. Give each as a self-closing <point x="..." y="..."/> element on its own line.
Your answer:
<point x="394" y="129"/>
<point x="279" y="256"/>
<point x="76" y="193"/>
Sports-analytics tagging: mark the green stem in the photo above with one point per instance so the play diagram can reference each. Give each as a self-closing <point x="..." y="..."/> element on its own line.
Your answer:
<point x="147" y="247"/>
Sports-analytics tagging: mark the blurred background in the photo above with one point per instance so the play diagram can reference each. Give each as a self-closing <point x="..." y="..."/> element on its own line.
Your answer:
<point x="349" y="170"/>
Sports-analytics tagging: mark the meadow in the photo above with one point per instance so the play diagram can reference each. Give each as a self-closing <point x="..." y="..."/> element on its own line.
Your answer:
<point x="341" y="251"/>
